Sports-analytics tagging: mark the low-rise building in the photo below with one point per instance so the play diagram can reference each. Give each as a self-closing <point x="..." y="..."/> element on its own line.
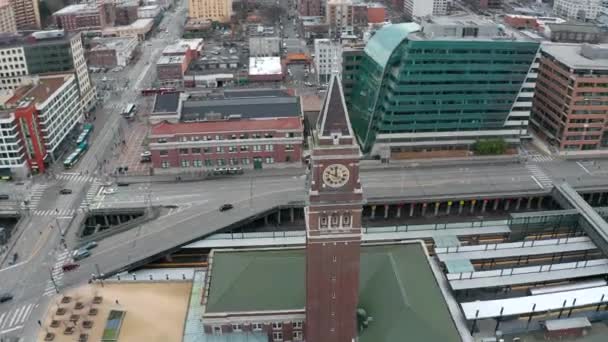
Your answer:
<point x="577" y="9"/>
<point x="570" y="104"/>
<point x="78" y="17"/>
<point x="265" y="69"/>
<point x="39" y="117"/>
<point x="111" y="52"/>
<point x="8" y="24"/>
<point x="246" y="128"/>
<point x="264" y="46"/>
<point x="328" y="59"/>
<point x="126" y="13"/>
<point x="376" y="13"/>
<point x="574" y="33"/>
<point x="215" y="10"/>
<point x="140" y="28"/>
<point x="170" y="69"/>
<point x="151" y="11"/>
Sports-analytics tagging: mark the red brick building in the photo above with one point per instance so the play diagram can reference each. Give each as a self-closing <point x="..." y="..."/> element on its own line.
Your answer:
<point x="248" y="143"/>
<point x="376" y="13"/>
<point x="79" y="17"/>
<point x="570" y="105"/>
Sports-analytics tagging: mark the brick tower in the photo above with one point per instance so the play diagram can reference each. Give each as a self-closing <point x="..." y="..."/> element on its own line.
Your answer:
<point x="333" y="225"/>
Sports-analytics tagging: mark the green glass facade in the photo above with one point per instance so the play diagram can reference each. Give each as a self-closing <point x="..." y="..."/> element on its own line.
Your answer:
<point x="42" y="58"/>
<point x="409" y="84"/>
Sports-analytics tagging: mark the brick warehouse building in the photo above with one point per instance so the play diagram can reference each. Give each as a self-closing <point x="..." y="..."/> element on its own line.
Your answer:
<point x="318" y="293"/>
<point x="570" y="105"/>
<point x="246" y="128"/>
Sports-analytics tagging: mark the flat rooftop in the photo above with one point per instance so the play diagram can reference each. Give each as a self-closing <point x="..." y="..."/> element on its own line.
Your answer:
<point x="171" y="59"/>
<point x="10" y="40"/>
<point x="265" y="66"/>
<point x="450" y="28"/>
<point x="246" y="107"/>
<point x="166" y="103"/>
<point x="78" y="8"/>
<point x="397" y="288"/>
<point x="111" y="43"/>
<point x="41" y="91"/>
<point x="570" y="54"/>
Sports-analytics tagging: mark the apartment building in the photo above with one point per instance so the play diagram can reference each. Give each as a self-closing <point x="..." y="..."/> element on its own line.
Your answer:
<point x="570" y="106"/>
<point x="79" y="17"/>
<point x="27" y="14"/>
<point x="8" y="24"/>
<point x="424" y="8"/>
<point x="577" y="9"/>
<point x="328" y="59"/>
<point x="215" y="10"/>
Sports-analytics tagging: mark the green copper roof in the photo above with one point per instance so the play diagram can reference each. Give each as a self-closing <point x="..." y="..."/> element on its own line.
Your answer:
<point x="397" y="288"/>
<point x="381" y="45"/>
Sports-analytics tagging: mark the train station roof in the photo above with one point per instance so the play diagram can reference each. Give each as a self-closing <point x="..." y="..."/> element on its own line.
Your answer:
<point x="397" y="288"/>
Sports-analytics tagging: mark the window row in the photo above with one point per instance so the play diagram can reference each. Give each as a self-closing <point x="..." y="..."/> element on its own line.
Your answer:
<point x="220" y="162"/>
<point x="228" y="137"/>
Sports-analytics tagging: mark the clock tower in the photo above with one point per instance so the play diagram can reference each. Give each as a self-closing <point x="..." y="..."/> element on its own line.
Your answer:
<point x="333" y="224"/>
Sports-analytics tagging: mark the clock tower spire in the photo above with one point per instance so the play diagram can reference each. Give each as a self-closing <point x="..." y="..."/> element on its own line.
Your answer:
<point x="333" y="224"/>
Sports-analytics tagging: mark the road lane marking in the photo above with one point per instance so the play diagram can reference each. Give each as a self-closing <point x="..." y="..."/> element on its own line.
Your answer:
<point x="26" y="313"/>
<point x="537" y="182"/>
<point x="17" y="312"/>
<point x="583" y="167"/>
<point x="2" y="318"/>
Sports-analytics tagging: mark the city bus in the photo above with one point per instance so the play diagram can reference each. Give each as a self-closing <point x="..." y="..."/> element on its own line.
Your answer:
<point x="129" y="110"/>
<point x="85" y="134"/>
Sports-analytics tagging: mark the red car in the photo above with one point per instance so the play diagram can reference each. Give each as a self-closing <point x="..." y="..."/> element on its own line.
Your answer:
<point x="70" y="266"/>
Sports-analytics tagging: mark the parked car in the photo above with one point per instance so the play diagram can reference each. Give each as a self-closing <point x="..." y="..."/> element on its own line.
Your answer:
<point x="235" y="170"/>
<point x="226" y="207"/>
<point x="90" y="245"/>
<point x="4" y="196"/>
<point x="5" y="297"/>
<point x="65" y="191"/>
<point x="80" y="254"/>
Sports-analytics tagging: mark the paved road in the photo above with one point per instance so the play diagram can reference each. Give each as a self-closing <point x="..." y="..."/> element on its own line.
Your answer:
<point x="40" y="247"/>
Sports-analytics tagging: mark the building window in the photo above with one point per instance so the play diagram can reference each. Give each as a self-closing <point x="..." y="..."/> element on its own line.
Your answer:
<point x="217" y="330"/>
<point x="219" y="149"/>
<point x="269" y="160"/>
<point x="323" y="222"/>
<point x="297" y="325"/>
<point x="236" y="327"/>
<point x="231" y="149"/>
<point x="183" y="151"/>
<point x="257" y="326"/>
<point x="269" y="147"/>
<point x="346" y="220"/>
<point x="164" y="164"/>
<point x="197" y="163"/>
<point x="289" y="147"/>
<point x="163" y="152"/>
<point x="257" y="147"/>
<point x="245" y="161"/>
<point x="277" y="336"/>
<point x="244" y="148"/>
<point x="221" y="162"/>
<point x="234" y="161"/>
<point x="277" y="325"/>
<point x="335" y="220"/>
<point x="206" y="149"/>
<point x="208" y="162"/>
<point x="185" y="163"/>
<point x="196" y="150"/>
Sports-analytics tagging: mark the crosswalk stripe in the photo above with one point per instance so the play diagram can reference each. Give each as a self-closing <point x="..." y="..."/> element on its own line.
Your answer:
<point x="2" y="318"/>
<point x="24" y="314"/>
<point x="17" y="312"/>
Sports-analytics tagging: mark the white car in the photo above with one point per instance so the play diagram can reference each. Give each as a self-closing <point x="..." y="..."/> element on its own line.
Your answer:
<point x="109" y="191"/>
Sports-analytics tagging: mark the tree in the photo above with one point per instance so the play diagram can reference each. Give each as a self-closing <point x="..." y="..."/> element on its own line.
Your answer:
<point x="489" y="147"/>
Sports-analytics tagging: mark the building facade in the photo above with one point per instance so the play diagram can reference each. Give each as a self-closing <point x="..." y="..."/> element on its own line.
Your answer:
<point x="574" y="33"/>
<point x="8" y="24"/>
<point x="215" y="10"/>
<point x="247" y="143"/>
<point x="310" y="8"/>
<point x="570" y="107"/>
<point x="27" y="14"/>
<point x="424" y="8"/>
<point x="111" y="52"/>
<point x="79" y="17"/>
<point x="37" y="120"/>
<point x="577" y="9"/>
<point x="441" y="93"/>
<point x="351" y="60"/>
<point x="328" y="59"/>
<point x="140" y="28"/>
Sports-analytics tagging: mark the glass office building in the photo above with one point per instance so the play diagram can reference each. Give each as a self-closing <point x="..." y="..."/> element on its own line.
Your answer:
<point x="440" y="86"/>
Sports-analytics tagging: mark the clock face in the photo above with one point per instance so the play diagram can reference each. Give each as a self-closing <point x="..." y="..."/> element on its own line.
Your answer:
<point x="336" y="175"/>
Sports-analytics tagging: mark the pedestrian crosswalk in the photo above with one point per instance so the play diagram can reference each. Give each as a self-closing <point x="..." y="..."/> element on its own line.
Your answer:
<point x="15" y="318"/>
<point x="539" y="176"/>
<point x="75" y="177"/>
<point x="53" y="212"/>
<point x="540" y="158"/>
<point x="91" y="194"/>
<point x="36" y="194"/>
<point x="57" y="272"/>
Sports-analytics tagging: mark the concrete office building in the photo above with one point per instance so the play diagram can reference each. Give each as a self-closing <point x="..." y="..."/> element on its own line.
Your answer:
<point x="570" y="106"/>
<point x="328" y="59"/>
<point x="311" y="8"/>
<point x="215" y="10"/>
<point x="7" y="18"/>
<point x="423" y="8"/>
<point x="27" y="14"/>
<point x="577" y="9"/>
<point x="451" y="82"/>
<point x="111" y="52"/>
